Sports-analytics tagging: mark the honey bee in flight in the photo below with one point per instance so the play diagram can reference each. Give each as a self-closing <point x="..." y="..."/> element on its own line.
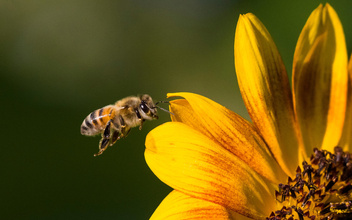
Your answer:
<point x="115" y="121"/>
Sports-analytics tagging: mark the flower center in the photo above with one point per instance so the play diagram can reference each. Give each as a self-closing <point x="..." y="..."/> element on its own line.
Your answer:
<point x="322" y="189"/>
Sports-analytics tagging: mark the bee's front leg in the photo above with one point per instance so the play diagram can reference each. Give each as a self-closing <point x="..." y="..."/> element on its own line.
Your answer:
<point x="141" y="120"/>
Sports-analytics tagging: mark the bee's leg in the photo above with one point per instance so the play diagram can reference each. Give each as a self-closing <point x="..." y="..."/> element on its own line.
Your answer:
<point x="125" y="132"/>
<point x="122" y="121"/>
<point x="107" y="130"/>
<point x="122" y="125"/>
<point x="117" y="130"/>
<point x="115" y="136"/>
<point x="105" y="138"/>
<point x="102" y="146"/>
<point x="141" y="120"/>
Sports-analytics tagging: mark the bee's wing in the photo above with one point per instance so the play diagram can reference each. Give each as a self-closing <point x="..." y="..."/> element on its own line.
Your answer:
<point x="118" y="108"/>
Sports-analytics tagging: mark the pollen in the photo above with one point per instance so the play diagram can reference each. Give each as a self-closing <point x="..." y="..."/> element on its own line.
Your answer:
<point x="321" y="189"/>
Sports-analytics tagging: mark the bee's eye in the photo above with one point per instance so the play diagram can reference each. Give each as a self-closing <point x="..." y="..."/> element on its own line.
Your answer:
<point x="144" y="107"/>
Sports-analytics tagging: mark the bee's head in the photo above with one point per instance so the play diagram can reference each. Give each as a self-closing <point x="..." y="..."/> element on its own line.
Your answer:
<point x="147" y="108"/>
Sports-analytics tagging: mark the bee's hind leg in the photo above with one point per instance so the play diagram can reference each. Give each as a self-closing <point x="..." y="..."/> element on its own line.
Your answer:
<point x="102" y="146"/>
<point x="105" y="139"/>
<point x="107" y="130"/>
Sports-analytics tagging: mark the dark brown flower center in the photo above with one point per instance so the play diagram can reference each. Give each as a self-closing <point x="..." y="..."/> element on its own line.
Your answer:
<point x="322" y="189"/>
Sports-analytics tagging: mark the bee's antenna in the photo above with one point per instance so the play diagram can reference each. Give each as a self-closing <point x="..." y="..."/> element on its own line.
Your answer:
<point x="156" y="106"/>
<point x="161" y="102"/>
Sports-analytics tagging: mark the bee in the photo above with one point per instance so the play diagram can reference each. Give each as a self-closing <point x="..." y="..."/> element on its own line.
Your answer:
<point x="115" y="121"/>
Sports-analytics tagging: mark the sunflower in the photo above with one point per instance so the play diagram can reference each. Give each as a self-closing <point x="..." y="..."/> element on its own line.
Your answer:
<point x="223" y="167"/>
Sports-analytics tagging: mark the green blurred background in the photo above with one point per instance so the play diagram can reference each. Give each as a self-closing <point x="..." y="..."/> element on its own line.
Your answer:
<point x="60" y="60"/>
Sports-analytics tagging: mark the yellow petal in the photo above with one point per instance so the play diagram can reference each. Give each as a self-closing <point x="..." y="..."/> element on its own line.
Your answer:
<point x="229" y="130"/>
<point x="190" y="162"/>
<point x="180" y="206"/>
<point x="320" y="79"/>
<point x="346" y="139"/>
<point x="266" y="90"/>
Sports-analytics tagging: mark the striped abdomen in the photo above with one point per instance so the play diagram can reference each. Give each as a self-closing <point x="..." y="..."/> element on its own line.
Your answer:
<point x="96" y="121"/>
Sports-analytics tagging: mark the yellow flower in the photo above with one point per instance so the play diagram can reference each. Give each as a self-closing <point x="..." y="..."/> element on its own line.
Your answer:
<point x="224" y="167"/>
